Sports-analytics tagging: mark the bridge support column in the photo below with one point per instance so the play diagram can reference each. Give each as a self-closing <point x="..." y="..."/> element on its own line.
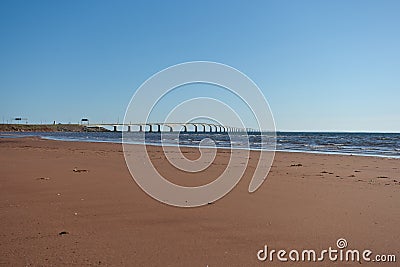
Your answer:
<point x="115" y="128"/>
<point x="140" y="128"/>
<point x="159" y="128"/>
<point x="129" y="128"/>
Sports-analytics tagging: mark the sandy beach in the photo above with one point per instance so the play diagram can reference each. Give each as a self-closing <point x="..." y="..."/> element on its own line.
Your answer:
<point x="75" y="203"/>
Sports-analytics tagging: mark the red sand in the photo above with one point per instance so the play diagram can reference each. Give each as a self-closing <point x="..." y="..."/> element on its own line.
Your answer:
<point x="109" y="220"/>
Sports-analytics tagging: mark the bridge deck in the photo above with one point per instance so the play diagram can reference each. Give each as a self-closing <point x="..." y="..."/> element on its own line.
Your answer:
<point x="160" y="127"/>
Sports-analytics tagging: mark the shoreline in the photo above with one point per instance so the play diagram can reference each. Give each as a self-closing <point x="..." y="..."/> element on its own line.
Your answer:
<point x="227" y="148"/>
<point x="49" y="128"/>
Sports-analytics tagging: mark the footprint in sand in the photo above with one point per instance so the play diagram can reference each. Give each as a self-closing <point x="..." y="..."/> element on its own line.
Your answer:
<point x="43" y="178"/>
<point x="63" y="233"/>
<point x="79" y="170"/>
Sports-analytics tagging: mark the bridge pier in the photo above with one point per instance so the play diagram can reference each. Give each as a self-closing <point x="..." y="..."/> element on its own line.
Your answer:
<point x="184" y="127"/>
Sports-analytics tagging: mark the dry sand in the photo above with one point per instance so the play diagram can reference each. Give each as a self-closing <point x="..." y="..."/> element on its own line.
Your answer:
<point x="85" y="190"/>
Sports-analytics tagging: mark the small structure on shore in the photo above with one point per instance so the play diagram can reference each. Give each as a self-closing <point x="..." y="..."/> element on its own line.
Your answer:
<point x="84" y="120"/>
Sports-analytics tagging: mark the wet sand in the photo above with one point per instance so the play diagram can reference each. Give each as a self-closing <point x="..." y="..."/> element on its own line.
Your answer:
<point x="75" y="203"/>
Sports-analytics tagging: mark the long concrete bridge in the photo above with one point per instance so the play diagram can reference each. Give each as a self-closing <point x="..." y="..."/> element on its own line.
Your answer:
<point x="172" y="127"/>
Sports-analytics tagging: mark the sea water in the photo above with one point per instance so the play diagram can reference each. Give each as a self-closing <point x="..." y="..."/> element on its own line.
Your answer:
<point x="372" y="144"/>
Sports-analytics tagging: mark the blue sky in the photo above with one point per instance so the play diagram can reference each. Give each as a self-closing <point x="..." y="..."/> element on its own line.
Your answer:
<point x="322" y="65"/>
